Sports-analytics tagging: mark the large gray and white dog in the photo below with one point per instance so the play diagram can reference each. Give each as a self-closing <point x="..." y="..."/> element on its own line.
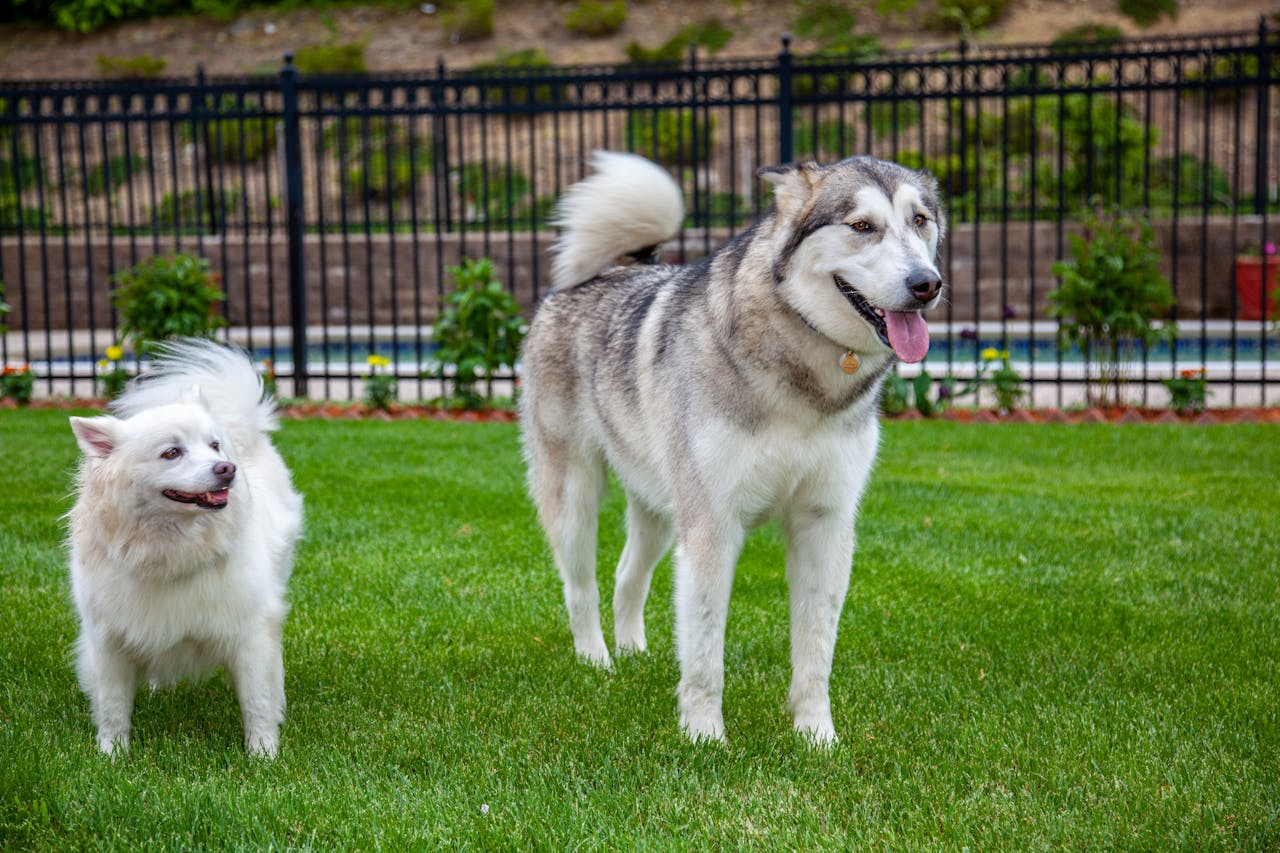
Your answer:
<point x="724" y="393"/>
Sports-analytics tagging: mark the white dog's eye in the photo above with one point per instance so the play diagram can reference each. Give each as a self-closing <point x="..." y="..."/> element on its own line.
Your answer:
<point x="862" y="226"/>
<point x="920" y="220"/>
<point x="215" y="445"/>
<point x="171" y="453"/>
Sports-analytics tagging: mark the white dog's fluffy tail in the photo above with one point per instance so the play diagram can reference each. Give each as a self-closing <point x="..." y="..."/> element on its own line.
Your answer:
<point x="630" y="204"/>
<point x="225" y="377"/>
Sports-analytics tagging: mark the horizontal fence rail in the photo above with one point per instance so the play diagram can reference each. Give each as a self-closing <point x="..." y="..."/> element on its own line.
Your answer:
<point x="333" y="207"/>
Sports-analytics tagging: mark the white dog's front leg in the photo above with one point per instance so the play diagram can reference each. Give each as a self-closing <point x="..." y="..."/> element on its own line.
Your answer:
<point x="257" y="673"/>
<point x="819" y="560"/>
<point x="111" y="680"/>
<point x="705" y="561"/>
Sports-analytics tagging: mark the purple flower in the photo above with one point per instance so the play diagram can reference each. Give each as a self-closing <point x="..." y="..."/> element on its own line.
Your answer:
<point x="969" y="334"/>
<point x="1269" y="249"/>
<point x="1009" y="312"/>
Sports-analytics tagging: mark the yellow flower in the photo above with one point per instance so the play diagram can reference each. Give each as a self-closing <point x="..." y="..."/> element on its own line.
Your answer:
<point x="990" y="354"/>
<point x="102" y="364"/>
<point x="376" y="360"/>
<point x="114" y="353"/>
<point x="1004" y="354"/>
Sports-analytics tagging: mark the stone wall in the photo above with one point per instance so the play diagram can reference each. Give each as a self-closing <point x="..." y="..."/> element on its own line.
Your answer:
<point x="382" y="279"/>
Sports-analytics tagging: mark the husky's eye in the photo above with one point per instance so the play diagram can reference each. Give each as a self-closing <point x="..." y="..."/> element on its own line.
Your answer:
<point x="172" y="453"/>
<point x="215" y="445"/>
<point x="862" y="226"/>
<point x="920" y="220"/>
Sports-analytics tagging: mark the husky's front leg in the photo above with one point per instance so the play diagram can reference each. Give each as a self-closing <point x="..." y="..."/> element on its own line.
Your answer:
<point x="257" y="674"/>
<point x="705" y="561"/>
<point x="819" y="560"/>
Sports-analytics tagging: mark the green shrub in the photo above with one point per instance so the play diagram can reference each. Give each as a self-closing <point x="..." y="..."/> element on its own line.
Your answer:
<point x="672" y="137"/>
<point x="331" y="58"/>
<point x="1144" y="13"/>
<point x="233" y="131"/>
<point x="142" y="67"/>
<point x="479" y="332"/>
<point x="85" y="16"/>
<point x="711" y="35"/>
<point x="1086" y="35"/>
<point x="193" y="211"/>
<point x="829" y="139"/>
<point x="166" y="297"/>
<point x="889" y="118"/>
<point x="4" y="311"/>
<point x="968" y="16"/>
<point x="595" y="19"/>
<point x="114" y="173"/>
<point x="469" y="20"/>
<point x="17" y="383"/>
<point x="516" y="91"/>
<point x="496" y="193"/>
<point x="380" y="176"/>
<point x="832" y="26"/>
<point x="1112" y="290"/>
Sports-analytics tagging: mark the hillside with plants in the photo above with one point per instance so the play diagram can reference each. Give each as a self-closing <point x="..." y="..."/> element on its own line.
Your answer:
<point x="41" y="39"/>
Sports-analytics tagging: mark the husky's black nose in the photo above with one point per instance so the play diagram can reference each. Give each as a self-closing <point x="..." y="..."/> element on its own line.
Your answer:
<point x="225" y="471"/>
<point x="924" y="284"/>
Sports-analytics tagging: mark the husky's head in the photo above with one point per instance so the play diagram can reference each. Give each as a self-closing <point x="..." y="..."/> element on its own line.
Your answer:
<point x="855" y="248"/>
<point x="167" y="459"/>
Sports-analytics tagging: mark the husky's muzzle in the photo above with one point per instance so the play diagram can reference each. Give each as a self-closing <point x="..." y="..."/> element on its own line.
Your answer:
<point x="904" y="332"/>
<point x="214" y="498"/>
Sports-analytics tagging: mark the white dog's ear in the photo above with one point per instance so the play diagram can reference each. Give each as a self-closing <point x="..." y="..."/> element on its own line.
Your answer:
<point x="97" y="437"/>
<point x="792" y="185"/>
<point x="193" y="396"/>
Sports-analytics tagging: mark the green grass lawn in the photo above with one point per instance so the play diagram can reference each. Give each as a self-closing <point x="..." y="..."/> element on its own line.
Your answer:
<point x="1056" y="637"/>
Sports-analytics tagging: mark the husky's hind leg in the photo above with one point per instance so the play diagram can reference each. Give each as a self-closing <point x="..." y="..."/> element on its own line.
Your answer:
<point x="648" y="538"/>
<point x="568" y="488"/>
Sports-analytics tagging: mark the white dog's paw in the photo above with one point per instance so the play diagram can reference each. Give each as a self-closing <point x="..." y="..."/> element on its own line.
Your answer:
<point x="703" y="728"/>
<point x="595" y="654"/>
<point x="114" y="744"/>
<point x="263" y="744"/>
<point x="817" y="728"/>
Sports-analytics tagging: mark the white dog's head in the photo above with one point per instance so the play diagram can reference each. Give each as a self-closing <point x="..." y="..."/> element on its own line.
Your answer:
<point x="169" y="458"/>
<point x="855" y="247"/>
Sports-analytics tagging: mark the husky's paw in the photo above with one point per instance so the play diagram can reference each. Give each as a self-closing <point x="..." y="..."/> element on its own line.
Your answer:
<point x="262" y="744"/>
<point x="114" y="744"/>
<point x="630" y="640"/>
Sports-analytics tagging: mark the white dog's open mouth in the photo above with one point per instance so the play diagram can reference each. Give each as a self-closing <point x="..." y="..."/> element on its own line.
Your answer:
<point x="904" y="332"/>
<point x="216" y="499"/>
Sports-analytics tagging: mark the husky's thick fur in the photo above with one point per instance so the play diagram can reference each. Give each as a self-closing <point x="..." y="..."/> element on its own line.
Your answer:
<point x="724" y="393"/>
<point x="182" y="540"/>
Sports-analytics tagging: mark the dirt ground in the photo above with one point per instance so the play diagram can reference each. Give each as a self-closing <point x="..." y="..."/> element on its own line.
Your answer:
<point x="408" y="40"/>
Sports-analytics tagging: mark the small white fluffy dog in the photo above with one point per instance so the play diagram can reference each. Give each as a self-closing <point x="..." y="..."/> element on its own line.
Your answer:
<point x="182" y="540"/>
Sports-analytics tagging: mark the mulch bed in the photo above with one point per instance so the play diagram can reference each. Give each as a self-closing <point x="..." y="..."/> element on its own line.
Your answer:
<point x="1111" y="415"/>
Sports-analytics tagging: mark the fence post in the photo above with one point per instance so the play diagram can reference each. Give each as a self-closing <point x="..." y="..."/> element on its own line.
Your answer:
<point x="1261" y="194"/>
<point x="294" y="213"/>
<point x="785" y="129"/>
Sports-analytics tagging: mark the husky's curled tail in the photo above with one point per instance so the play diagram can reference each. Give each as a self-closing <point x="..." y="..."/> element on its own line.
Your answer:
<point x="627" y="206"/>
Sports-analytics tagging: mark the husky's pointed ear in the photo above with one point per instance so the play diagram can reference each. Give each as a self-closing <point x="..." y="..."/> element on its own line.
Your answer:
<point x="193" y="396"/>
<point x="97" y="437"/>
<point x="792" y="185"/>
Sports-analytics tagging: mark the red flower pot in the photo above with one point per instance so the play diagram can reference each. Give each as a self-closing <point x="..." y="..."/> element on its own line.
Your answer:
<point x="1251" y="297"/>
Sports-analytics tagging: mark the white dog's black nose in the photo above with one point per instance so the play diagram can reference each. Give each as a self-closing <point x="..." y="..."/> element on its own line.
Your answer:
<point x="225" y="471"/>
<point x="924" y="284"/>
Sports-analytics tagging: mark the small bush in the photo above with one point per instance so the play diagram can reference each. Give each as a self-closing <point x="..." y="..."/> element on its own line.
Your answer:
<point x="711" y="35"/>
<point x="1144" y="13"/>
<point x="516" y="90"/>
<point x="17" y="383"/>
<point x="968" y="16"/>
<point x="672" y="137"/>
<point x="345" y="58"/>
<point x="381" y="176"/>
<point x="479" y="332"/>
<point x="85" y="16"/>
<point x="1086" y="36"/>
<point x="596" y="19"/>
<point x="166" y="297"/>
<point x="115" y="172"/>
<point x="469" y="20"/>
<point x="142" y="67"/>
<point x="495" y="193"/>
<point x="1112" y="290"/>
<point x="193" y="211"/>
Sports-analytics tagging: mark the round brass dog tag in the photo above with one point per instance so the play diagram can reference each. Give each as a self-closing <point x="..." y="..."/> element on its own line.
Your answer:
<point x="849" y="363"/>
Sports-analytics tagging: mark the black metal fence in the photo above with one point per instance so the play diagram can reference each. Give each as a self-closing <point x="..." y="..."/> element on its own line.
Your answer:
<point x="333" y="206"/>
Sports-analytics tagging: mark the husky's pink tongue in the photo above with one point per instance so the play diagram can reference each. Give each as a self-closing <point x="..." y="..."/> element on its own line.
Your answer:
<point x="908" y="334"/>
